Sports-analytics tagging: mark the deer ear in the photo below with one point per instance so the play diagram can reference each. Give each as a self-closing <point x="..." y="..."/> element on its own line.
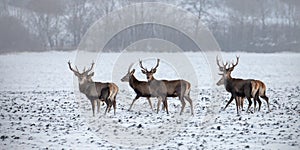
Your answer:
<point x="153" y="70"/>
<point x="91" y="74"/>
<point x="143" y="71"/>
<point x="132" y="72"/>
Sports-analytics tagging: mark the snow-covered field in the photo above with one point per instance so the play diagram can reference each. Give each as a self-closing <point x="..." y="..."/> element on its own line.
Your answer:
<point x="40" y="106"/>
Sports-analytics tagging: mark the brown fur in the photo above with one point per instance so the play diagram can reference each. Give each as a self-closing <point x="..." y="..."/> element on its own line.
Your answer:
<point x="258" y="89"/>
<point x="96" y="91"/>
<point x="145" y="89"/>
<point x="175" y="88"/>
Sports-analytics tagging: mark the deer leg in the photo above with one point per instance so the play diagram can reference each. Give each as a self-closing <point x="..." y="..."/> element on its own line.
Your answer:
<point x="110" y="101"/>
<point x="136" y="97"/>
<point x="230" y="100"/>
<point x="182" y="104"/>
<point x="158" y="103"/>
<point x="267" y="100"/>
<point x="241" y="99"/>
<point x="107" y="106"/>
<point x="259" y="102"/>
<point x="237" y="102"/>
<point x="187" y="97"/>
<point x="250" y="103"/>
<point x="149" y="101"/>
<point x="110" y="105"/>
<point x="98" y="105"/>
<point x="93" y="107"/>
<point x="165" y="105"/>
<point x="242" y="103"/>
<point x="255" y="99"/>
<point x="114" y="105"/>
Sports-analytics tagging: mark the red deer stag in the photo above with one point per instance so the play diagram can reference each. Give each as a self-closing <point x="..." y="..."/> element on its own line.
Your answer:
<point x="175" y="88"/>
<point x="144" y="89"/>
<point x="240" y="100"/>
<point x="238" y="88"/>
<point x="96" y="91"/>
<point x="258" y="89"/>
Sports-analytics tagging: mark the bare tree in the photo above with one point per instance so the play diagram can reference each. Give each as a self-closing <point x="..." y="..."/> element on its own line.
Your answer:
<point x="268" y="25"/>
<point x="46" y="18"/>
<point x="76" y="21"/>
<point x="198" y="7"/>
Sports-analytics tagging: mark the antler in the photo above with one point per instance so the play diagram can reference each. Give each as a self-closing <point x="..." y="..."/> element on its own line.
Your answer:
<point x="217" y="59"/>
<point x="141" y="65"/>
<point x="237" y="62"/>
<point x="89" y="69"/>
<point x="225" y="65"/>
<point x="157" y="64"/>
<point x="221" y="68"/>
<point x="69" y="62"/>
<point x="77" y="69"/>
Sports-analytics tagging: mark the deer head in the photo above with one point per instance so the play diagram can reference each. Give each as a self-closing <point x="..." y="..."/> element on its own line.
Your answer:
<point x="221" y="81"/>
<point x="226" y="70"/>
<point x="149" y="74"/>
<point x="129" y="74"/>
<point x="83" y="77"/>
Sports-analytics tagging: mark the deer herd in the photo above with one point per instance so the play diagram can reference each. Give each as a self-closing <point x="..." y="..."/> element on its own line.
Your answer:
<point x="98" y="92"/>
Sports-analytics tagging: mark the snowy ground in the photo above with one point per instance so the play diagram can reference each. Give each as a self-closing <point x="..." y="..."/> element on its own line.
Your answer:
<point x="40" y="107"/>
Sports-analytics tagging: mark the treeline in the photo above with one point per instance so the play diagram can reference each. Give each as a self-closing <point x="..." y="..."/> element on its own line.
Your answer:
<point x="238" y="25"/>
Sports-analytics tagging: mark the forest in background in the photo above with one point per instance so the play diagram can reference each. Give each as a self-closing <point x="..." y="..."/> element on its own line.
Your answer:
<point x="238" y="25"/>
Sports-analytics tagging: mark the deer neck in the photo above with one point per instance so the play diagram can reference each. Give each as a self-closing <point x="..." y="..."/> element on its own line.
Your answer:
<point x="152" y="79"/>
<point x="228" y="82"/>
<point x="133" y="81"/>
<point x="83" y="86"/>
